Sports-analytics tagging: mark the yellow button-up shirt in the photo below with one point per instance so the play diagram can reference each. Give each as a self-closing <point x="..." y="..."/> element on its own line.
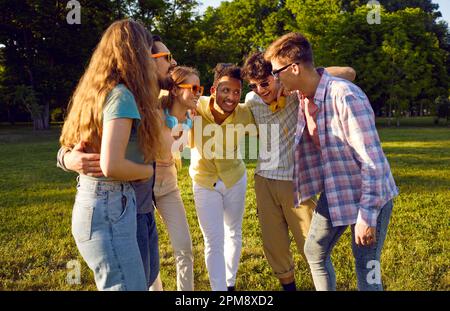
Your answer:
<point x="215" y="148"/>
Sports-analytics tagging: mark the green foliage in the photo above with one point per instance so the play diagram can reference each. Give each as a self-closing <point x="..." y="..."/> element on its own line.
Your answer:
<point x="398" y="62"/>
<point x="234" y="29"/>
<point x="46" y="53"/>
<point x="394" y="5"/>
<point x="57" y="115"/>
<point x="25" y="96"/>
<point x="402" y="63"/>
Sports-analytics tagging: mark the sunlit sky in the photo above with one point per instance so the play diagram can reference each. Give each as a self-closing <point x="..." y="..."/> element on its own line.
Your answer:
<point x="444" y="7"/>
<point x="204" y="4"/>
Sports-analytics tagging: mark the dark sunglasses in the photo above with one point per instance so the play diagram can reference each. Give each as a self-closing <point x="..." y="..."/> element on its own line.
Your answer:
<point x="254" y="86"/>
<point x="276" y="73"/>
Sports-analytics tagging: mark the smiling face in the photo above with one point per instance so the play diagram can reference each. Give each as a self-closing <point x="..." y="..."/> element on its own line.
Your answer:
<point x="227" y="93"/>
<point x="186" y="96"/>
<point x="267" y="93"/>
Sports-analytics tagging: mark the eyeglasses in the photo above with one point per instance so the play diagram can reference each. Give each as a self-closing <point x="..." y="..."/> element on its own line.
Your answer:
<point x="168" y="56"/>
<point x="254" y="86"/>
<point x="195" y="89"/>
<point x="276" y="73"/>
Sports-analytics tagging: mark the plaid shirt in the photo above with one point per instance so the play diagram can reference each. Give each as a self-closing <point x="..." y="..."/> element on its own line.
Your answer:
<point x="350" y="166"/>
<point x="286" y="119"/>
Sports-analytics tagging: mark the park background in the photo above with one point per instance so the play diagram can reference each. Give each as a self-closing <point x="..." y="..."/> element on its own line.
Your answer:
<point x="402" y="63"/>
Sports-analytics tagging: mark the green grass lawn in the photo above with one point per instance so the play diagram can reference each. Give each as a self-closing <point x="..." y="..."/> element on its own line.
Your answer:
<point x="36" y="203"/>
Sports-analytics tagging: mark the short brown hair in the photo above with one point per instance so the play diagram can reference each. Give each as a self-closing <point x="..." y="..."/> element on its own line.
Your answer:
<point x="256" y="67"/>
<point x="226" y="70"/>
<point x="292" y="47"/>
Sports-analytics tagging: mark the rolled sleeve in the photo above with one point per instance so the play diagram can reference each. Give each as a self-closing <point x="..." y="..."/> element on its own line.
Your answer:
<point x="358" y="122"/>
<point x="60" y="158"/>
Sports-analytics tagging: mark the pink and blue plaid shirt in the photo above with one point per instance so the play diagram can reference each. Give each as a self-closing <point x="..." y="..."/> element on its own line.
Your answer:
<point x="350" y="166"/>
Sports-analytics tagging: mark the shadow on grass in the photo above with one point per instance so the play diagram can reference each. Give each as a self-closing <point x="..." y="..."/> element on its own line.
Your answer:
<point x="414" y="184"/>
<point x="12" y="199"/>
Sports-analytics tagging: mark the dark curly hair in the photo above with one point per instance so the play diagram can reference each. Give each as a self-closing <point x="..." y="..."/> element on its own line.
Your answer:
<point x="256" y="67"/>
<point x="226" y="70"/>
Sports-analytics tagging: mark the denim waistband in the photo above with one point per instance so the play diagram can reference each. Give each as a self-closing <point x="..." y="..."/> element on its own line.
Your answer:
<point x="91" y="184"/>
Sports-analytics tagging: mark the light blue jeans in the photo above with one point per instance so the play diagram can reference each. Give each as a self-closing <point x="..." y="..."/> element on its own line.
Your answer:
<point x="104" y="228"/>
<point x="322" y="238"/>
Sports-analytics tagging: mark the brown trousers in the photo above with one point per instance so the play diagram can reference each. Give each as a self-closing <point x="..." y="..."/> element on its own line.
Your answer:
<point x="277" y="215"/>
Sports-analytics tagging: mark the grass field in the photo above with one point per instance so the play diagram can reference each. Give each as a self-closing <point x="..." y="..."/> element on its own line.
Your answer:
<point x="36" y="202"/>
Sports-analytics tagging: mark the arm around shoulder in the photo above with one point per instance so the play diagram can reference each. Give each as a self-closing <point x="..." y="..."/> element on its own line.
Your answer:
<point x="347" y="73"/>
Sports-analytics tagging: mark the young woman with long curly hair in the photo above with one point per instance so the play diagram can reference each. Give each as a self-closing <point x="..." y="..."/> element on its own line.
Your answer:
<point x="114" y="110"/>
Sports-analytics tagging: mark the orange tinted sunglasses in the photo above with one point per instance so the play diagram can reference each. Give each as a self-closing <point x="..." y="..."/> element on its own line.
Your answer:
<point x="195" y="89"/>
<point x="168" y="55"/>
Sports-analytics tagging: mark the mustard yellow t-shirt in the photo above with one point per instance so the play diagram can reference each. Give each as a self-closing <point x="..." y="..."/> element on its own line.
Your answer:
<point x="215" y="148"/>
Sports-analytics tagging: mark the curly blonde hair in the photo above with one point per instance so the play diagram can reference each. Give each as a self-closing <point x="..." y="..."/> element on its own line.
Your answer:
<point x="121" y="56"/>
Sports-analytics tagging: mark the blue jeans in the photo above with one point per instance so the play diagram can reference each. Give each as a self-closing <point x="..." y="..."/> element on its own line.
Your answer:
<point x="322" y="237"/>
<point x="147" y="235"/>
<point x="104" y="228"/>
<point x="147" y="238"/>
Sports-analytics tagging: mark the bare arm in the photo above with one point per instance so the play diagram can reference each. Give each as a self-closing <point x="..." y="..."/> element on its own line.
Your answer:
<point x="347" y="73"/>
<point x="113" y="163"/>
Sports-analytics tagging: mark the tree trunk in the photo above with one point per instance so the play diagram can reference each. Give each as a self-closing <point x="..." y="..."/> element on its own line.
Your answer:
<point x="11" y="118"/>
<point x="390" y="115"/>
<point x="41" y="121"/>
<point x="46" y="116"/>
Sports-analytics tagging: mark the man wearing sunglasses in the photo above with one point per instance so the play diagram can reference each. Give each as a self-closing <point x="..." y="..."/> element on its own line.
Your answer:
<point x="338" y="155"/>
<point x="164" y="62"/>
<point x="89" y="164"/>
<point x="274" y="189"/>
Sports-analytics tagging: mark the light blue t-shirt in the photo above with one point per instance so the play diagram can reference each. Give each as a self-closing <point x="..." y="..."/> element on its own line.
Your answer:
<point x="120" y="103"/>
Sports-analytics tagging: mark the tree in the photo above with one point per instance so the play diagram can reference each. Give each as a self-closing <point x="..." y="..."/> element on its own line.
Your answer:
<point x="178" y="29"/>
<point x="234" y="29"/>
<point x="44" y="52"/>
<point x="25" y="96"/>
<point x="399" y="62"/>
<point x="442" y="108"/>
<point x="393" y="5"/>
<point x="402" y="63"/>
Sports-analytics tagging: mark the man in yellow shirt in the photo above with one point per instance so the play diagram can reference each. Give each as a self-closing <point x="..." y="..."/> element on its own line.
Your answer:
<point x="219" y="174"/>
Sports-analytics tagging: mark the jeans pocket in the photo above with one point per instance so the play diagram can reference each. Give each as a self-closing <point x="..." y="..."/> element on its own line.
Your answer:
<point x="82" y="216"/>
<point x="118" y="205"/>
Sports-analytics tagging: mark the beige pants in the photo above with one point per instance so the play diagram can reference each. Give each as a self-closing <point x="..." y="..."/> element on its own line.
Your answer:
<point x="171" y="209"/>
<point x="277" y="215"/>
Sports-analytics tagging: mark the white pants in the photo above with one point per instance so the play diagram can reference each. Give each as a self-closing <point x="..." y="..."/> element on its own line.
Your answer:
<point x="220" y="212"/>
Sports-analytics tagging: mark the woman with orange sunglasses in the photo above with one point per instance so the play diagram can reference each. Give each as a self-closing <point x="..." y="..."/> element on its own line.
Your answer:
<point x="182" y="97"/>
